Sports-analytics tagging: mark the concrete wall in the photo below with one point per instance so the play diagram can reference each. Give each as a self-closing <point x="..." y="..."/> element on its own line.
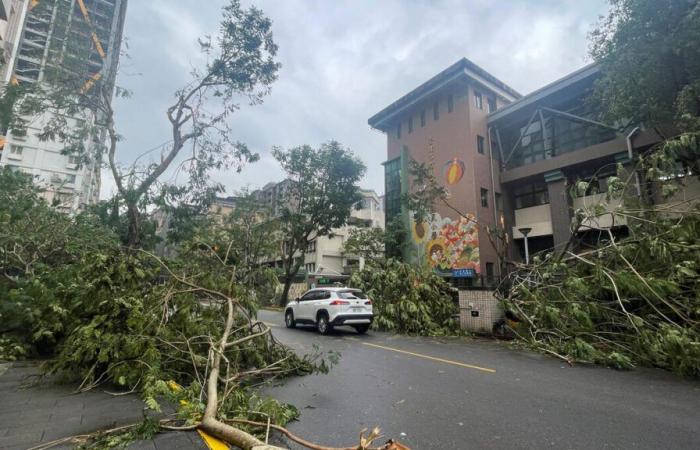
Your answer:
<point x="478" y="311"/>
<point x="539" y="218"/>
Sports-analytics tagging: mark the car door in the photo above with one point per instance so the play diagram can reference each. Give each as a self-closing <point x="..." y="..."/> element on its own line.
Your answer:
<point x="318" y="302"/>
<point x="303" y="308"/>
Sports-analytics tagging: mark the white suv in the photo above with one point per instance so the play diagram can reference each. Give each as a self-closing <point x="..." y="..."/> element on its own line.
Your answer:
<point x="329" y="307"/>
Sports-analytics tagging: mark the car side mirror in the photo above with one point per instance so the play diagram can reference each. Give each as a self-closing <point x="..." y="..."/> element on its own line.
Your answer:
<point x="296" y="299"/>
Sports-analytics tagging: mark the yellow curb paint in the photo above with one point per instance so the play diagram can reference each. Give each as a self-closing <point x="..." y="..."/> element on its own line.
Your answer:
<point x="432" y="358"/>
<point x="212" y="442"/>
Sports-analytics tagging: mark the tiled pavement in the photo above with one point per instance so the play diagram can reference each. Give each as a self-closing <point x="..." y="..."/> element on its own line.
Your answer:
<point x="34" y="415"/>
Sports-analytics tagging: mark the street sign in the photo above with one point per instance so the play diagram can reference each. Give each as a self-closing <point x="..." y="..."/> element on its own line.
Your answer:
<point x="463" y="273"/>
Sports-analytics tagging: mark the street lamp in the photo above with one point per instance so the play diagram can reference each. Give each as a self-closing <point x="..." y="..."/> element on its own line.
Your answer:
<point x="525" y="231"/>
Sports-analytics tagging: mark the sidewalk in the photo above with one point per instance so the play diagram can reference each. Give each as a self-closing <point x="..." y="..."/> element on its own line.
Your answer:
<point x="30" y="416"/>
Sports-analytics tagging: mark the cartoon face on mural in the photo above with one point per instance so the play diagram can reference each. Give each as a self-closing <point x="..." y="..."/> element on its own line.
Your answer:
<point x="446" y="243"/>
<point x="453" y="171"/>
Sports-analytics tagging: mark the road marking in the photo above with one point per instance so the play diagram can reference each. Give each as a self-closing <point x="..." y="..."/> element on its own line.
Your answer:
<point x="212" y="442"/>
<point x="432" y="358"/>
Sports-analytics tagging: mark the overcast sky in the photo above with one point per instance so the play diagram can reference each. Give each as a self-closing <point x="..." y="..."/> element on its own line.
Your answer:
<point x="342" y="61"/>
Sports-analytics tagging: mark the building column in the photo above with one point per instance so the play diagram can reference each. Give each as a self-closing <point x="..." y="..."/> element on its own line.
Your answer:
<point x="560" y="207"/>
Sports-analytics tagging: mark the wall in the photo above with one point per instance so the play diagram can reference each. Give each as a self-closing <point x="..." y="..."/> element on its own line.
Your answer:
<point x="539" y="218"/>
<point x="478" y="311"/>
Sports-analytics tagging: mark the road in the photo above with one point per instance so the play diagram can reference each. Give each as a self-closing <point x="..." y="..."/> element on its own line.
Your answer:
<point x="460" y="393"/>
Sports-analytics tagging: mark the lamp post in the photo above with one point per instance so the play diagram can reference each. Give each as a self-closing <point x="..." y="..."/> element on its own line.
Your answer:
<point x="525" y="231"/>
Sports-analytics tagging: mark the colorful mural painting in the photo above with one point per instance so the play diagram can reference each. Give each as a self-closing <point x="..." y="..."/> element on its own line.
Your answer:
<point x="453" y="171"/>
<point x="447" y="244"/>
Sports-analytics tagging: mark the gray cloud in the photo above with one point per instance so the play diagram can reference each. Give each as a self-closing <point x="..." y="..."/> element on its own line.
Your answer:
<point x="342" y="61"/>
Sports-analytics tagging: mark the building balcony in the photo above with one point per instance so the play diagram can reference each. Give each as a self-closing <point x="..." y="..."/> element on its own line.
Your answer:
<point x="538" y="218"/>
<point x="600" y="212"/>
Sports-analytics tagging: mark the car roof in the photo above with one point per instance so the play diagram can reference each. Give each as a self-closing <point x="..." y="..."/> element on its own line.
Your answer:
<point x="335" y="289"/>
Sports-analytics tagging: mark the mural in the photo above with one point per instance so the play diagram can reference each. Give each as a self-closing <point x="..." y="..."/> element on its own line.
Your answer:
<point x="447" y="244"/>
<point x="453" y="171"/>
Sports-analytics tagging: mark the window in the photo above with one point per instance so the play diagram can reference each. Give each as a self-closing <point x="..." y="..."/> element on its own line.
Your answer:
<point x="492" y="104"/>
<point x="489" y="272"/>
<point x="392" y="188"/>
<point x="16" y="150"/>
<point x="70" y="179"/>
<point x="73" y="160"/>
<point x="398" y="131"/>
<point x="480" y="144"/>
<point x="484" y="198"/>
<point x="436" y="111"/>
<point x="310" y="267"/>
<point x="422" y="118"/>
<point x="311" y="295"/>
<point x="531" y="195"/>
<point x="351" y="295"/>
<point x="311" y="246"/>
<point x="478" y="100"/>
<point x="450" y="103"/>
<point x="410" y="125"/>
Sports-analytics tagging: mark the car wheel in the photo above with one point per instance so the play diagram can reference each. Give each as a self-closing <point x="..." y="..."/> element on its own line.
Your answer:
<point x="362" y="329"/>
<point x="289" y="319"/>
<point x="322" y="324"/>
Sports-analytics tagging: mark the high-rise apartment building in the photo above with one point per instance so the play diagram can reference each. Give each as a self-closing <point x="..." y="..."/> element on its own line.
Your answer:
<point x="44" y="37"/>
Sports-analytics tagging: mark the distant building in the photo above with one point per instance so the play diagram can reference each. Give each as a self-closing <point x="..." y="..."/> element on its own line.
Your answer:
<point x="324" y="254"/>
<point x="34" y="36"/>
<point x="509" y="160"/>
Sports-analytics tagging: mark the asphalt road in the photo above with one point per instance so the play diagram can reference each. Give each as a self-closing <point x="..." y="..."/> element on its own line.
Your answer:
<point x="476" y="394"/>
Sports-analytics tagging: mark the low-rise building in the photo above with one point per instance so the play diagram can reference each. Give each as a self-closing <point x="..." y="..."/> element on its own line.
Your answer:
<point x="510" y="161"/>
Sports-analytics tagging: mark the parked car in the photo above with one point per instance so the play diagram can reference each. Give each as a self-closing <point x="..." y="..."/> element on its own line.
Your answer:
<point x="330" y="307"/>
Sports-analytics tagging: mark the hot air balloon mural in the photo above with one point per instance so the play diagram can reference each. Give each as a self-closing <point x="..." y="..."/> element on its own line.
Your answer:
<point x="453" y="171"/>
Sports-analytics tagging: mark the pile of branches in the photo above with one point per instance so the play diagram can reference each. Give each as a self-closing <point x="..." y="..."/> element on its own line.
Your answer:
<point x="631" y="300"/>
<point x="408" y="299"/>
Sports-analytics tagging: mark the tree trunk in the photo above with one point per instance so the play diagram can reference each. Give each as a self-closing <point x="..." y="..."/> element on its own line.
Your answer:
<point x="285" y="292"/>
<point x="210" y="423"/>
<point x="133" y="236"/>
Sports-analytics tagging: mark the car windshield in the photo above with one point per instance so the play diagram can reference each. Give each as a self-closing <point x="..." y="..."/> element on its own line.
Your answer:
<point x="351" y="294"/>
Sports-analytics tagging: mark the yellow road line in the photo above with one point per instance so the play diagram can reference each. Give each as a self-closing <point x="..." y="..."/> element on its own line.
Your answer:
<point x="212" y="442"/>
<point x="432" y="358"/>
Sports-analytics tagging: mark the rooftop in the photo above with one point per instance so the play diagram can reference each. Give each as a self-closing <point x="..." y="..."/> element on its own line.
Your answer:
<point x="533" y="98"/>
<point x="462" y="69"/>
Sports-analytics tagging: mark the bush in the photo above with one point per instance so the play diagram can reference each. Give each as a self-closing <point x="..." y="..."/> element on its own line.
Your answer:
<point x="408" y="299"/>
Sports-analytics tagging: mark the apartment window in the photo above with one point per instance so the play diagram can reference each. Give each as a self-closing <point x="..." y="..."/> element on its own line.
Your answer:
<point x="531" y="195"/>
<point x="484" y="198"/>
<point x="398" y="131"/>
<point x="410" y="125"/>
<point x="70" y="179"/>
<point x="311" y="247"/>
<point x="492" y="104"/>
<point x="450" y="103"/>
<point x="478" y="100"/>
<point x="16" y="150"/>
<point x="436" y="111"/>
<point x="499" y="202"/>
<point x="311" y="267"/>
<point x="422" y="118"/>
<point x="480" y="144"/>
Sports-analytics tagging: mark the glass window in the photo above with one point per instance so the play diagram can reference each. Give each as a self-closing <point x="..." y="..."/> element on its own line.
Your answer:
<point x="392" y="188"/>
<point x="351" y="294"/>
<point x="450" y="103"/>
<point x="480" y="144"/>
<point x="422" y="118"/>
<point x="531" y="195"/>
<point x="436" y="111"/>
<point x="16" y="149"/>
<point x="484" y="198"/>
<point x="311" y="295"/>
<point x="492" y="104"/>
<point x="70" y="179"/>
<point x="478" y="100"/>
<point x="410" y="125"/>
<point x="398" y="131"/>
<point x="489" y="271"/>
